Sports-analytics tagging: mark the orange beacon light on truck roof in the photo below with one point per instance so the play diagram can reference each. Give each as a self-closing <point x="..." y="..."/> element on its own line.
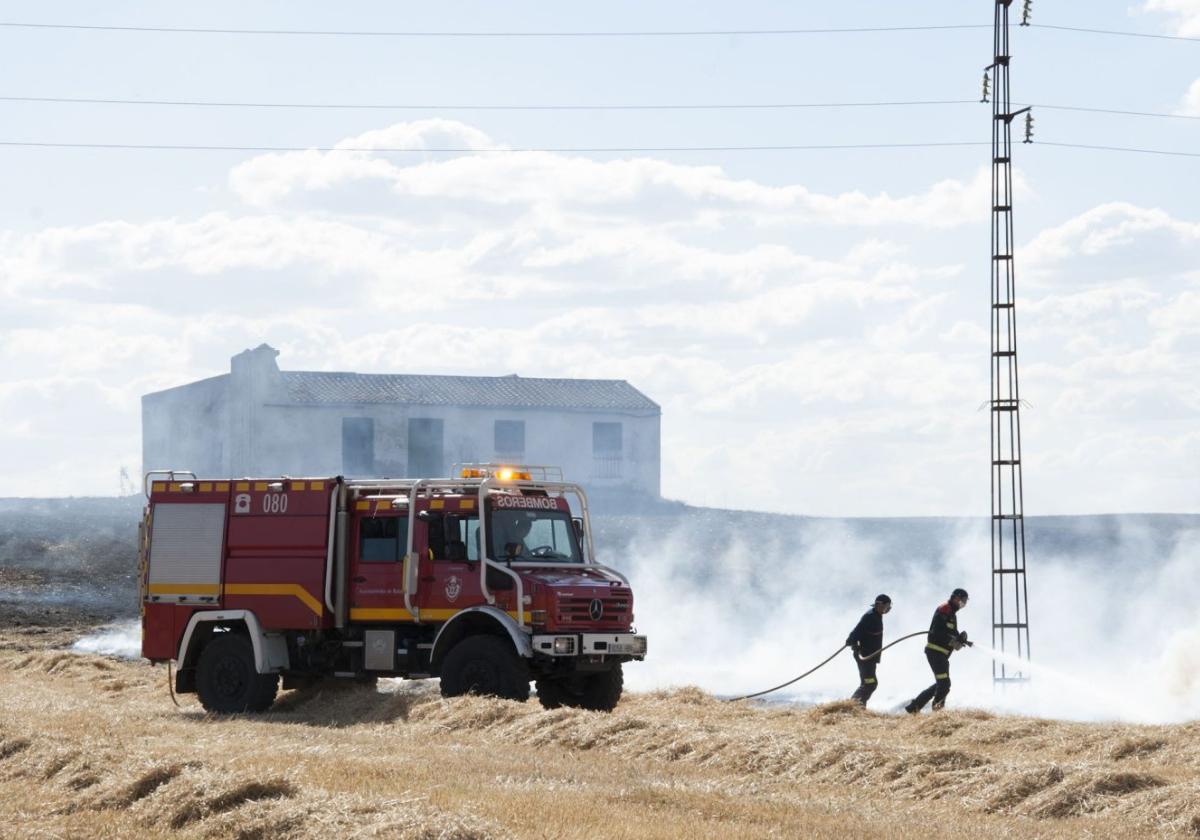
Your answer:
<point x="502" y="473"/>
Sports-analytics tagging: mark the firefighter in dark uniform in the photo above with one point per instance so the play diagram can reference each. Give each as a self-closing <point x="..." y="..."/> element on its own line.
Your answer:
<point x="866" y="641"/>
<point x="944" y="638"/>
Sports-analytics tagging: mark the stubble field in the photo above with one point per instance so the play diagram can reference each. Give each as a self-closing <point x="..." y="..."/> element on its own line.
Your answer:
<point x="93" y="747"/>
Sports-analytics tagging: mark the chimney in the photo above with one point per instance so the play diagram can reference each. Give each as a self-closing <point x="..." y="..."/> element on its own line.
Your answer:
<point x="260" y="361"/>
<point x="254" y="380"/>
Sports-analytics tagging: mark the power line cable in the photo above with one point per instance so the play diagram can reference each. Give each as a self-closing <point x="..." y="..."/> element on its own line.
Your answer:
<point x="1115" y="111"/>
<point x="661" y="33"/>
<point x="659" y="106"/>
<point x="185" y="147"/>
<point x="720" y="106"/>
<point x="1169" y="152"/>
<point x="466" y="150"/>
<point x="1117" y="32"/>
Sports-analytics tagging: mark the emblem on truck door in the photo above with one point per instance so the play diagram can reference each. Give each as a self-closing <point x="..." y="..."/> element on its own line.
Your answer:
<point x="241" y="503"/>
<point x="596" y="609"/>
<point x="453" y="588"/>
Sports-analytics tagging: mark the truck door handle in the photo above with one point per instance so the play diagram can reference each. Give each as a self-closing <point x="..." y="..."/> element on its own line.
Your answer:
<point x="428" y="578"/>
<point x="360" y="579"/>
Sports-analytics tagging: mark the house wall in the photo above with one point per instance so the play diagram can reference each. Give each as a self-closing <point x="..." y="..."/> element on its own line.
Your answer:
<point x="307" y="440"/>
<point x="187" y="428"/>
<point x="242" y="424"/>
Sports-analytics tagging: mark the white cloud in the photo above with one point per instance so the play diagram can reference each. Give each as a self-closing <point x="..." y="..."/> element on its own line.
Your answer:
<point x="1190" y="105"/>
<point x="838" y="342"/>
<point x="544" y="180"/>
<point x="1116" y="237"/>
<point x="1184" y="15"/>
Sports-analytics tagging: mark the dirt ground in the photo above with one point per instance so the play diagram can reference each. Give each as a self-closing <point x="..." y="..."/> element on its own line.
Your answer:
<point x="93" y="747"/>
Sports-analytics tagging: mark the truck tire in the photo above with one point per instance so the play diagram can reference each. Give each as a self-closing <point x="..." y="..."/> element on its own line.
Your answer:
<point x="596" y="692"/>
<point x="227" y="681"/>
<point x="485" y="665"/>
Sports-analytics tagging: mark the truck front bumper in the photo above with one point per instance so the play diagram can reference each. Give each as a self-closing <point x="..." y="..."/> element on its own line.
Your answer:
<point x="625" y="645"/>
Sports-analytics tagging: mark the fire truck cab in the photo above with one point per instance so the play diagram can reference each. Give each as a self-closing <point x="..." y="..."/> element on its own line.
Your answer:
<point x="488" y="581"/>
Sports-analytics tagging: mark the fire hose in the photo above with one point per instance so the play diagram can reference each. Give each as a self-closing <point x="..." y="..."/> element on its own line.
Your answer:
<point x="171" y="685"/>
<point x="826" y="662"/>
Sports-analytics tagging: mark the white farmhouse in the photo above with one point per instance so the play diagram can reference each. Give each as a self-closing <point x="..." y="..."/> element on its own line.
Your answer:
<point x="259" y="420"/>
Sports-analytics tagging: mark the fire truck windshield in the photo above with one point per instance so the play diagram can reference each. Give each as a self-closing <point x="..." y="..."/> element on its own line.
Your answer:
<point x="533" y="536"/>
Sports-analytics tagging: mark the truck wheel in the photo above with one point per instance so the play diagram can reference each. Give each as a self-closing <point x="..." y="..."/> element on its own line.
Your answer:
<point x="485" y="665"/>
<point x="550" y="693"/>
<point x="596" y="692"/>
<point x="227" y="681"/>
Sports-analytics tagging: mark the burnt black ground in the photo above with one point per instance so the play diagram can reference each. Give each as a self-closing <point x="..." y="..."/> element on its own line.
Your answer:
<point x="66" y="564"/>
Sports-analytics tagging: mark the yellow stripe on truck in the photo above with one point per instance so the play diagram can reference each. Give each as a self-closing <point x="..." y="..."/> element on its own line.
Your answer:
<point x="379" y="614"/>
<point x="297" y="591"/>
<point x="432" y="614"/>
<point x="292" y="589"/>
<point x="184" y="589"/>
<point x="276" y="589"/>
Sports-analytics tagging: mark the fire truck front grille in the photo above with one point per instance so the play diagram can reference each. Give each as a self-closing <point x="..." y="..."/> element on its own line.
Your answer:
<point x="578" y="611"/>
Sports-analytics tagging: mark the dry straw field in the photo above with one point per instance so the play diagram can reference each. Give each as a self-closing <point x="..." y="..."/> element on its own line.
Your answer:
<point x="93" y="747"/>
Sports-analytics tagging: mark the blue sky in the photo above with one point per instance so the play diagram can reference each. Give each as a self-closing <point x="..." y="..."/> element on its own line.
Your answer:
<point x="802" y="316"/>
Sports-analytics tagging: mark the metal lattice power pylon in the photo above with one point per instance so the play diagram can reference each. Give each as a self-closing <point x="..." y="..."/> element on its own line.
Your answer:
<point x="1010" y="592"/>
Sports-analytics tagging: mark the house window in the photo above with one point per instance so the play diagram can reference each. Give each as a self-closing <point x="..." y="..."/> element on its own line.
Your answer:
<point x="606" y="440"/>
<point x="607" y="447"/>
<point x="510" y="439"/>
<point x="425" y="449"/>
<point x="358" y="446"/>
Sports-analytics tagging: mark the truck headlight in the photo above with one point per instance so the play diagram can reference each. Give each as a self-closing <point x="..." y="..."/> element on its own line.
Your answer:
<point x="564" y="645"/>
<point x="639" y="645"/>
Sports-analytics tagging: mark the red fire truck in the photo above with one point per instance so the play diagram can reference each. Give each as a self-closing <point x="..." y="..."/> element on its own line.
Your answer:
<point x="486" y="580"/>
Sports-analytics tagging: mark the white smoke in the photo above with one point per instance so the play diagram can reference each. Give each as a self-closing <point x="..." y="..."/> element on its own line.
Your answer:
<point x="736" y="603"/>
<point x="122" y="640"/>
<point x="739" y="604"/>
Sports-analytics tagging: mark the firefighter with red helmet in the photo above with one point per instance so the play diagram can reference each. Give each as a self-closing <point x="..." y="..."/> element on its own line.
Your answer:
<point x="866" y="642"/>
<point x="944" y="638"/>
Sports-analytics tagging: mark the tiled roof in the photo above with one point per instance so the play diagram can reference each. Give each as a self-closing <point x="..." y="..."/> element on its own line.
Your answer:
<point x="317" y="388"/>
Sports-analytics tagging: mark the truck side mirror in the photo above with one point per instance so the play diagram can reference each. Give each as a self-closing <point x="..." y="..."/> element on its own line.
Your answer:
<point x="578" y="523"/>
